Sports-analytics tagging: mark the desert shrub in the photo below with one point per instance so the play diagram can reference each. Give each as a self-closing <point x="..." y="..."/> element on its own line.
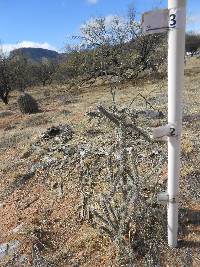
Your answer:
<point x="192" y="42"/>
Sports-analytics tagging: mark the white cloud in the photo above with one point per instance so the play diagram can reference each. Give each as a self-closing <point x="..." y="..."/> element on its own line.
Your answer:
<point x="26" y="44"/>
<point x="93" y="2"/>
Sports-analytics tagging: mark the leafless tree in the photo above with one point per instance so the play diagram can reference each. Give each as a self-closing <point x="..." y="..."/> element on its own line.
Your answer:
<point x="45" y="70"/>
<point x="119" y="45"/>
<point x="20" y="70"/>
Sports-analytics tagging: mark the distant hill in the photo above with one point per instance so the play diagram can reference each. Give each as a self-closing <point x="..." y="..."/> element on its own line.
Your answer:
<point x="35" y="54"/>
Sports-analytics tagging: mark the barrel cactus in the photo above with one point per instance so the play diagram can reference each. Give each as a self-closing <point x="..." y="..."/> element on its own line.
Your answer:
<point x="27" y="104"/>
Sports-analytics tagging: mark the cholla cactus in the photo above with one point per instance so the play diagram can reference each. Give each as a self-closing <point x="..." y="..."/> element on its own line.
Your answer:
<point x="27" y="104"/>
<point x="118" y="211"/>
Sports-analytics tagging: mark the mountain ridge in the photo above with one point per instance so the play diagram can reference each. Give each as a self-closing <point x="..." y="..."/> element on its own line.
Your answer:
<point x="35" y="54"/>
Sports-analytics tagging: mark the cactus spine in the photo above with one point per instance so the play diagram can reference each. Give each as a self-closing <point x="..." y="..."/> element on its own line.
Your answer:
<point x="27" y="104"/>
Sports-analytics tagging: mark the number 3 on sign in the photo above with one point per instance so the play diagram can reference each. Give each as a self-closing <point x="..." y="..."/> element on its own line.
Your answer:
<point x="172" y="22"/>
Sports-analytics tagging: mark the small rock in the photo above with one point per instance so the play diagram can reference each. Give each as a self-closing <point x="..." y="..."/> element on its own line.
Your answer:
<point x="2" y="205"/>
<point x="17" y="228"/>
<point x="8" y="248"/>
<point x="153" y="114"/>
<point x="61" y="132"/>
<point x="93" y="132"/>
<point x="91" y="81"/>
<point x="22" y="179"/>
<point x="10" y="127"/>
<point x="26" y="154"/>
<point x="6" y="113"/>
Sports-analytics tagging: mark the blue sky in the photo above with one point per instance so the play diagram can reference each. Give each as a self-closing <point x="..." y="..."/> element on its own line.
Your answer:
<point x="47" y="23"/>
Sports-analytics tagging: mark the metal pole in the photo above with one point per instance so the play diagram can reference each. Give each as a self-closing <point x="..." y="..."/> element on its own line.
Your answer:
<point x="176" y="51"/>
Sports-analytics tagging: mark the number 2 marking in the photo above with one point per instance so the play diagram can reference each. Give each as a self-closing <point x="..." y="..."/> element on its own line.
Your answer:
<point x="172" y="131"/>
<point x="172" y="20"/>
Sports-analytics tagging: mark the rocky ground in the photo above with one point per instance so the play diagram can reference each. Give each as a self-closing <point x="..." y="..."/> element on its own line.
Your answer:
<point x="55" y="171"/>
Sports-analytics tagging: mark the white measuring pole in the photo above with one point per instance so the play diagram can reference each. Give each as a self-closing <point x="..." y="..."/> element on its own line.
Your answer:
<point x="176" y="52"/>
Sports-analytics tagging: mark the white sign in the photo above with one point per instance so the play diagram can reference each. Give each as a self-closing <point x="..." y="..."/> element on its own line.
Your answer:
<point x="155" y="21"/>
<point x="162" y="20"/>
